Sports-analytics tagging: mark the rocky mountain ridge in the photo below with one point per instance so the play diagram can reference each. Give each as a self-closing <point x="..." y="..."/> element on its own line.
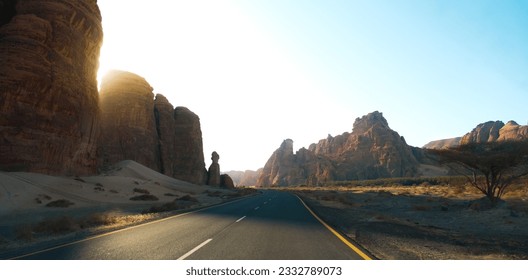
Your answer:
<point x="371" y="150"/>
<point x="490" y="131"/>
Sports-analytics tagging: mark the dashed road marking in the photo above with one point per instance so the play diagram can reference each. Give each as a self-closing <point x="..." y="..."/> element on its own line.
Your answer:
<point x="256" y="208"/>
<point x="240" y="219"/>
<point x="195" y="249"/>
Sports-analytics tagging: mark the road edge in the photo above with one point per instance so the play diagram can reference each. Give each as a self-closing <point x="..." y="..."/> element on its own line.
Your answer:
<point x="340" y="236"/>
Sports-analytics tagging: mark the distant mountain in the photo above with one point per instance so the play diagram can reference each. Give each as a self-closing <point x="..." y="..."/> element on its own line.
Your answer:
<point x="244" y="178"/>
<point x="372" y="150"/>
<point x="485" y="132"/>
<point x="443" y="144"/>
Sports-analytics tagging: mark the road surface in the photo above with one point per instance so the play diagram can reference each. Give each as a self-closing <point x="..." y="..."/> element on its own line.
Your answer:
<point x="272" y="226"/>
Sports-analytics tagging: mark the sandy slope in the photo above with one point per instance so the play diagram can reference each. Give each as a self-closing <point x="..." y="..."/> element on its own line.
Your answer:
<point x="23" y="196"/>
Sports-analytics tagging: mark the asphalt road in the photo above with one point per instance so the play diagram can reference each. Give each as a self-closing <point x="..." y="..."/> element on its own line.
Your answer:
<point x="271" y="226"/>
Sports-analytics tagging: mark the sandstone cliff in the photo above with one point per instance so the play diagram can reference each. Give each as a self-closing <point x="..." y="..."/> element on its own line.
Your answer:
<point x="135" y="126"/>
<point x="127" y="120"/>
<point x="189" y="162"/>
<point x="165" y="124"/>
<point x="49" y="53"/>
<point x="372" y="150"/>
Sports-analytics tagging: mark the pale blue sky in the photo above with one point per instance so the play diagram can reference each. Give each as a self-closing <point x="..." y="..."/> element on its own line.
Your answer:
<point x="258" y="72"/>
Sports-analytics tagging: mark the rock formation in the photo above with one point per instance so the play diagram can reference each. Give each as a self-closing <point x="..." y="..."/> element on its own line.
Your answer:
<point x="372" y="150"/>
<point x="443" y="144"/>
<point x="485" y="132"/>
<point x="213" y="174"/>
<point x="226" y="182"/>
<point x="135" y="126"/>
<point x="49" y="53"/>
<point x="165" y="125"/>
<point x="128" y="125"/>
<point x="189" y="158"/>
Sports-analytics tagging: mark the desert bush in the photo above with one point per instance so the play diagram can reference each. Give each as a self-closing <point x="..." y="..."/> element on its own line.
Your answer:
<point x="170" y="194"/>
<point x="188" y="198"/>
<point x="170" y="206"/>
<point x="24" y="233"/>
<point x="61" y="203"/>
<point x="144" y="197"/>
<point x="41" y="197"/>
<point x="100" y="189"/>
<point x="56" y="225"/>
<point x="113" y="191"/>
<point x="213" y="194"/>
<point x="79" y="179"/>
<point x="136" y="182"/>
<point x="143" y="191"/>
<point x="421" y="208"/>
<point x="98" y="219"/>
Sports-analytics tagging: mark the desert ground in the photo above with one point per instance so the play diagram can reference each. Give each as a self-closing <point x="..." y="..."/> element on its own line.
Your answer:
<point x="39" y="209"/>
<point x="426" y="221"/>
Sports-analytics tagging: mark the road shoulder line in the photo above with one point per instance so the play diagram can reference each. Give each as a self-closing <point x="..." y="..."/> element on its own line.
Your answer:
<point x="337" y="234"/>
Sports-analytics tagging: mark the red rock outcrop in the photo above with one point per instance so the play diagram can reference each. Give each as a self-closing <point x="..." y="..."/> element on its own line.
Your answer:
<point x="371" y="151"/>
<point x="128" y="126"/>
<point x="49" y="113"/>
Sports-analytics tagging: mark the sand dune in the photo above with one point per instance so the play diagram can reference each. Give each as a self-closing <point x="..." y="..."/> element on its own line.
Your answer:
<point x="23" y="196"/>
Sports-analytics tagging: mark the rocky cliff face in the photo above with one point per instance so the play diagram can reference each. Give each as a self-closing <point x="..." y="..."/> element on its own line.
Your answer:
<point x="49" y="54"/>
<point x="189" y="158"/>
<point x="127" y="120"/>
<point x="135" y="126"/>
<point x="165" y="124"/>
<point x="372" y="150"/>
<point x="484" y="132"/>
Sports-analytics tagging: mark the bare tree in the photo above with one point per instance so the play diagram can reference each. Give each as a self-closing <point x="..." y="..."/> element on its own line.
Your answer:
<point x="490" y="167"/>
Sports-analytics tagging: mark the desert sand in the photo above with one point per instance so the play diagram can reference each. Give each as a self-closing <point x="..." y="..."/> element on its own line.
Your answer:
<point x="25" y="197"/>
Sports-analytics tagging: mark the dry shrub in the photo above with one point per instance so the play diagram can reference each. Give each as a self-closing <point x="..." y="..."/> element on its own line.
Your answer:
<point x="213" y="194"/>
<point x="170" y="194"/>
<point x="143" y="191"/>
<point x="98" y="219"/>
<point x="188" y="198"/>
<point x="56" y="225"/>
<point x="144" y="197"/>
<point x="421" y="208"/>
<point x="79" y="179"/>
<point x="41" y="197"/>
<point x="61" y="203"/>
<point x="170" y="206"/>
<point x="24" y="233"/>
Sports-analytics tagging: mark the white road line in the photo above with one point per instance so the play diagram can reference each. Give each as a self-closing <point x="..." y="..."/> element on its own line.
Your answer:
<point x="240" y="219"/>
<point x="256" y="208"/>
<point x="195" y="249"/>
<point x="265" y="202"/>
